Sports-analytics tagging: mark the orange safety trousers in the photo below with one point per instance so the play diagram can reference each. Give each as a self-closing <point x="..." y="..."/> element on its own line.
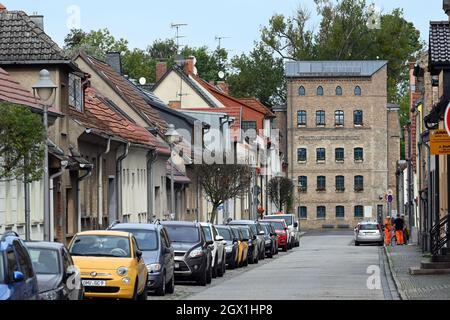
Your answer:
<point x="399" y="236"/>
<point x="387" y="237"/>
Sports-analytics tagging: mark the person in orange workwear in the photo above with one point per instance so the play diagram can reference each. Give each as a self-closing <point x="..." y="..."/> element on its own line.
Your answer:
<point x="399" y="225"/>
<point x="387" y="231"/>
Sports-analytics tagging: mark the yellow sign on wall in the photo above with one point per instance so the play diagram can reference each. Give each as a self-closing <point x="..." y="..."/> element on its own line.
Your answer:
<point x="439" y="142"/>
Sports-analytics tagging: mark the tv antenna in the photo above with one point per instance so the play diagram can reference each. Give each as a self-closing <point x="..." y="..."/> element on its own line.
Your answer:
<point x="178" y="37"/>
<point x="220" y="38"/>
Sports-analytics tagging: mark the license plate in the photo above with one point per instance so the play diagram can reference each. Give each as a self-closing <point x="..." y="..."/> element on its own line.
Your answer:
<point x="177" y="266"/>
<point x="94" y="283"/>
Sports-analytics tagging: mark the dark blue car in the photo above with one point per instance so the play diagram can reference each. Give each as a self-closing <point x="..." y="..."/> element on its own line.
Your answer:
<point x="158" y="254"/>
<point x="17" y="278"/>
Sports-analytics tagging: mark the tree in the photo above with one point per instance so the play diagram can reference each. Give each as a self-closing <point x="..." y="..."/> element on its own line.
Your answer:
<point x="209" y="64"/>
<point x="137" y="63"/>
<point x="222" y="182"/>
<point x="22" y="137"/>
<point x="280" y="191"/>
<point x="258" y="74"/>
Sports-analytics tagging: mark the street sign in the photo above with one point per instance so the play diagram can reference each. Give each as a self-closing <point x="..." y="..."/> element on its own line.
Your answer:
<point x="447" y="120"/>
<point x="390" y="198"/>
<point x="439" y="142"/>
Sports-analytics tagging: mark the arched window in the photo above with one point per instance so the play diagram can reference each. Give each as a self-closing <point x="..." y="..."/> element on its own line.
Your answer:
<point x="303" y="183"/>
<point x="340" y="154"/>
<point x="357" y="91"/>
<point x="302" y="154"/>
<point x="321" y="212"/>
<point x="359" y="212"/>
<point x="320" y="91"/>
<point x="359" y="154"/>
<point x="321" y="154"/>
<point x="358" y="118"/>
<point x="303" y="213"/>
<point x="320" y="118"/>
<point x="321" y="183"/>
<point x="340" y="183"/>
<point x="302" y="91"/>
<point x="339" y="118"/>
<point x="359" y="183"/>
<point x="339" y="91"/>
<point x="340" y="212"/>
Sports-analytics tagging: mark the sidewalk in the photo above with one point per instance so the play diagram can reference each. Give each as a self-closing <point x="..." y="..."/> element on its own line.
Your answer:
<point x="415" y="287"/>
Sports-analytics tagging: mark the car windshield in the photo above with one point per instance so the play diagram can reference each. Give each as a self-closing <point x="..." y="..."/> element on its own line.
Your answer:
<point x="146" y="239"/>
<point x="278" y="225"/>
<point x="208" y="234"/>
<point x="101" y="246"/>
<point x="266" y="229"/>
<point x="225" y="233"/>
<point x="289" y="219"/>
<point x="45" y="261"/>
<point x="2" y="272"/>
<point x="246" y="232"/>
<point x="182" y="234"/>
<point x="368" y="227"/>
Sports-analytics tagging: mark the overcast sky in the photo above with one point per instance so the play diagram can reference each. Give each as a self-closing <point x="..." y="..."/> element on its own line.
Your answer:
<point x="142" y="22"/>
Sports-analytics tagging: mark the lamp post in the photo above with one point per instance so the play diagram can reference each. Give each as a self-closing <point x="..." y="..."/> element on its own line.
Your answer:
<point x="44" y="89"/>
<point x="172" y="137"/>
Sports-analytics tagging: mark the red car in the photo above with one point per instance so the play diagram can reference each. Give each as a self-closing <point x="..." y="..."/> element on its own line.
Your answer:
<point x="281" y="228"/>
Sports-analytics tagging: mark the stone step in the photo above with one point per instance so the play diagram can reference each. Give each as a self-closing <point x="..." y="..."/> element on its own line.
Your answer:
<point x="425" y="272"/>
<point x="435" y="265"/>
<point x="441" y="258"/>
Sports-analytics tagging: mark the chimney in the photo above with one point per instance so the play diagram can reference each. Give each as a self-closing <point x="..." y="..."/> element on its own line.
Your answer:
<point x="161" y="69"/>
<point x="189" y="65"/>
<point x="114" y="60"/>
<point x="2" y="8"/>
<point x="38" y="20"/>
<point x="175" y="104"/>
<point x="446" y="7"/>
<point x="224" y="87"/>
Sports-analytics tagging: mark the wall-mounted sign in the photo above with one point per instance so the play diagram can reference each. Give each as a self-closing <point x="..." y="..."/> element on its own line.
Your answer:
<point x="439" y="142"/>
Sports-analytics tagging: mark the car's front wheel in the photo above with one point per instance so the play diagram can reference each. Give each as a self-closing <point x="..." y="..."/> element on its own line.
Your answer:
<point x="161" y="291"/>
<point x="209" y="274"/>
<point x="170" y="287"/>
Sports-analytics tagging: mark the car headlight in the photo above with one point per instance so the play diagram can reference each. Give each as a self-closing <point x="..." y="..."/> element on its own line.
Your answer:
<point x="122" y="271"/>
<point x="196" y="253"/>
<point x="152" y="268"/>
<point x="229" y="248"/>
<point x="49" y="295"/>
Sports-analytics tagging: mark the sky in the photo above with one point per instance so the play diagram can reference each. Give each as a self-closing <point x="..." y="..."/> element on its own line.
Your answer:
<point x="142" y="22"/>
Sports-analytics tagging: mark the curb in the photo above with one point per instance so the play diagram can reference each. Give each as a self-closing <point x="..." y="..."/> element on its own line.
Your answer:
<point x="401" y="293"/>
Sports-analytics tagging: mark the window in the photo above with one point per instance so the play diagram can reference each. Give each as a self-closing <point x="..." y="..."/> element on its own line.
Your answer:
<point x="302" y="155"/>
<point x="359" y="154"/>
<point x="303" y="213"/>
<point x="301" y="118"/>
<point x="321" y="154"/>
<point x="340" y="212"/>
<point x="303" y="183"/>
<point x="357" y="91"/>
<point x="340" y="183"/>
<point x="359" y="183"/>
<point x="302" y="91"/>
<point x="249" y="128"/>
<point x="321" y="183"/>
<point x="339" y="91"/>
<point x="339" y="152"/>
<point x="75" y="92"/>
<point x="358" y="118"/>
<point x="23" y="258"/>
<point x="321" y="212"/>
<point x="359" y="212"/>
<point x="320" y="91"/>
<point x="320" y="118"/>
<point x="339" y="118"/>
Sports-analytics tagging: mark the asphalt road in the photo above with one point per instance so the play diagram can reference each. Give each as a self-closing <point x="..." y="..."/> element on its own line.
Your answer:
<point x="327" y="266"/>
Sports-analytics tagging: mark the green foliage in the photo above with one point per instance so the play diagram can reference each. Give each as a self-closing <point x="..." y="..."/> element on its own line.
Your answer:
<point x="209" y="64"/>
<point x="258" y="74"/>
<point x="404" y="104"/>
<point x="22" y="137"/>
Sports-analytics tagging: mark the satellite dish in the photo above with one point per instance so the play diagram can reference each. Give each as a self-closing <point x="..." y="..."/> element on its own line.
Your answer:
<point x="142" y="81"/>
<point x="221" y="74"/>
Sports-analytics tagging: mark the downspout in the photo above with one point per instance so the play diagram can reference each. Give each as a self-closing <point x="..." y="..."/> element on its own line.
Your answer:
<point x="88" y="168"/>
<point x="64" y="165"/>
<point x="428" y="219"/>
<point x="119" y="165"/>
<point x="100" y="183"/>
<point x="152" y="156"/>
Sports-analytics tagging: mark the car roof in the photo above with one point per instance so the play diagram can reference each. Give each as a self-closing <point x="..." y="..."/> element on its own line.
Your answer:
<point x="136" y="226"/>
<point x="180" y="223"/>
<point x="7" y="239"/>
<point x="243" y="222"/>
<point x="104" y="233"/>
<point x="273" y="220"/>
<point x="44" y="245"/>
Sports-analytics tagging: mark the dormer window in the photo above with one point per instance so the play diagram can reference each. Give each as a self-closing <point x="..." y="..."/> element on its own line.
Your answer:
<point x="76" y="96"/>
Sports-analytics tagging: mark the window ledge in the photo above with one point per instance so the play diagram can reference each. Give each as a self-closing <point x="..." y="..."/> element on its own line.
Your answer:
<point x="321" y="161"/>
<point x="301" y="126"/>
<point x="340" y="191"/>
<point x="359" y="161"/>
<point x="321" y="125"/>
<point x="321" y="190"/>
<point x="359" y="125"/>
<point x="302" y="162"/>
<point x="359" y="191"/>
<point x="339" y="125"/>
<point x="340" y="161"/>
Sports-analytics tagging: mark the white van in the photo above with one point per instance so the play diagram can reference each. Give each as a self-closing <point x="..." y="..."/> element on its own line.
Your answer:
<point x="293" y="225"/>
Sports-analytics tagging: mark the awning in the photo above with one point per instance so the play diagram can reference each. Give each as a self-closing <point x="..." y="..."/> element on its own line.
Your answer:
<point x="178" y="177"/>
<point x="436" y="114"/>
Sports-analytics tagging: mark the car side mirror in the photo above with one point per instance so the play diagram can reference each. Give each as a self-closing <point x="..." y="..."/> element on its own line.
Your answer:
<point x="296" y="225"/>
<point x="209" y="243"/>
<point x="255" y="237"/>
<point x="167" y="250"/>
<point x="139" y="254"/>
<point x="18" y="276"/>
<point x="219" y="238"/>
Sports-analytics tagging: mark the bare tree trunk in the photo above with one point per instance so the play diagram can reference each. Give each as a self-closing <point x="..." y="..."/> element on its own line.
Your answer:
<point x="214" y="213"/>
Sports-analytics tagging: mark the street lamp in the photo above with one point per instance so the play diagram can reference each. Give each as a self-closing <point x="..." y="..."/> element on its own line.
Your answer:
<point x="44" y="89"/>
<point x="172" y="137"/>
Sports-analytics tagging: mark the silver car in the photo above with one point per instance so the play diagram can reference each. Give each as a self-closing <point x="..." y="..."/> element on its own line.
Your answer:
<point x="369" y="232"/>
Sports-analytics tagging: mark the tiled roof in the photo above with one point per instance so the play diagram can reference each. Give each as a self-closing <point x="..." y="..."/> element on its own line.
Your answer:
<point x="127" y="91"/>
<point x="21" y="40"/>
<point x="99" y="115"/>
<point x="178" y="176"/>
<point x="258" y="106"/>
<point x="363" y="68"/>
<point x="439" y="42"/>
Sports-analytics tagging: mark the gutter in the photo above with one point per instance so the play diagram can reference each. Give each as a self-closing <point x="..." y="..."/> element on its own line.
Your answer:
<point x="64" y="165"/>
<point x="100" y="182"/>
<point x="89" y="169"/>
<point x="119" y="193"/>
<point x="152" y="157"/>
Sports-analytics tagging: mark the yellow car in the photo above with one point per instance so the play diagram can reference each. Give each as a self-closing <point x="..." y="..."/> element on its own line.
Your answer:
<point x="111" y="265"/>
<point x="242" y="257"/>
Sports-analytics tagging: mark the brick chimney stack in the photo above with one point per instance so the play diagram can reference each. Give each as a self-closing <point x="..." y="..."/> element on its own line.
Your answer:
<point x="2" y="8"/>
<point x="189" y="65"/>
<point x="161" y="69"/>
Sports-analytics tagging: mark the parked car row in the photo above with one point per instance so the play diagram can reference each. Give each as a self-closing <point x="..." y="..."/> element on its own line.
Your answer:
<point x="127" y="261"/>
